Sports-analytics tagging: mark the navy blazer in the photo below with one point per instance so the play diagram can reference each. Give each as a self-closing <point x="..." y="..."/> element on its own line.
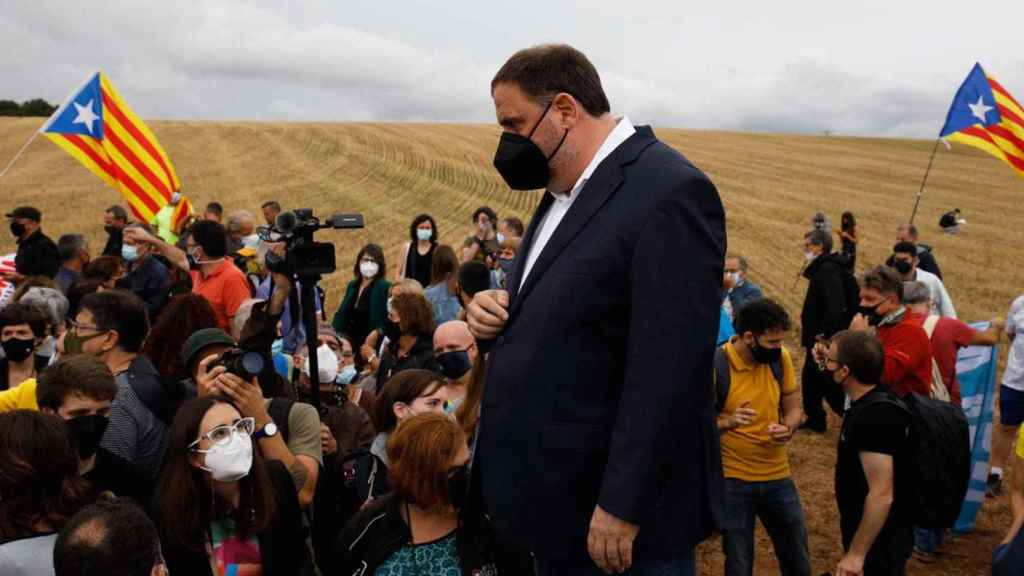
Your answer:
<point x="599" y="389"/>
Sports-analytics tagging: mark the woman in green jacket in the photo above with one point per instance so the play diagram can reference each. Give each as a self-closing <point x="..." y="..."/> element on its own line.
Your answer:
<point x="365" y="306"/>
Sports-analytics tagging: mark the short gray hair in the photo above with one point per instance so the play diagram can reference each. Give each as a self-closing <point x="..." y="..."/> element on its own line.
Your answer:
<point x="741" y="259"/>
<point x="237" y="219"/>
<point x="69" y="246"/>
<point x="821" y="238"/>
<point x="49" y="301"/>
<point x="916" y="293"/>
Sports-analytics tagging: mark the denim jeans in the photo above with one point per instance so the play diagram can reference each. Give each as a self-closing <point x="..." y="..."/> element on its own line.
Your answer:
<point x="927" y="540"/>
<point x="777" y="504"/>
<point x="682" y="565"/>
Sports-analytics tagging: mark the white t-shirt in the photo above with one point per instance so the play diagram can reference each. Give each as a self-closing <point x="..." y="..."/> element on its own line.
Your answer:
<point x="1013" y="376"/>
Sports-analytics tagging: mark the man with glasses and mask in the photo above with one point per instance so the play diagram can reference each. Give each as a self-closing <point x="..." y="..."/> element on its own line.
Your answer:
<point x="37" y="254"/>
<point x="455" y="351"/>
<point x="111" y="326"/>
<point x="214" y="276"/>
<point x="874" y="477"/>
<point x="619" y="463"/>
<point x="908" y="351"/>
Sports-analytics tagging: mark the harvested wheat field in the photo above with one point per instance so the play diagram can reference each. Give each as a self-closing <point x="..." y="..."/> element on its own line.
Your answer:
<point x="771" y="185"/>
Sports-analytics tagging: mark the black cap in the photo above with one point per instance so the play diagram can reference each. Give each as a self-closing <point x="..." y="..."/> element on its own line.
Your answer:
<point x="27" y="212"/>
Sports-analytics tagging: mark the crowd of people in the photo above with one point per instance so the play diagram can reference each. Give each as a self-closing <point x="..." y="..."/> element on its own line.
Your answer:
<point x="158" y="413"/>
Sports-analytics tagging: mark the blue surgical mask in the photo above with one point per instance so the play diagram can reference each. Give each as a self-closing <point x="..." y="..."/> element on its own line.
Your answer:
<point x="346" y="375"/>
<point x="129" y="253"/>
<point x="424" y="235"/>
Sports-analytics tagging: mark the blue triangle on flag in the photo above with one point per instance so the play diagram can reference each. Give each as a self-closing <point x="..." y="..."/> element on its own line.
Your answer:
<point x="973" y="104"/>
<point x="82" y="114"/>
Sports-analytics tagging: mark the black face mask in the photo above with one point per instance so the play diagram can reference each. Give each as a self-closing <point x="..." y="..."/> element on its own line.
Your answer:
<point x="902" y="266"/>
<point x="18" y="349"/>
<point x="521" y="162"/>
<point x="18" y="229"/>
<point x="871" y="313"/>
<point x="454" y="365"/>
<point x="87" y="432"/>
<point x="764" y="355"/>
<point x="458" y="486"/>
<point x="392" y="330"/>
<point x="832" y="375"/>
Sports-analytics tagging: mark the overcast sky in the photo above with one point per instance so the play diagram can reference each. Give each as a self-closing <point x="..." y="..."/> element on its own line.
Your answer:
<point x="865" y="67"/>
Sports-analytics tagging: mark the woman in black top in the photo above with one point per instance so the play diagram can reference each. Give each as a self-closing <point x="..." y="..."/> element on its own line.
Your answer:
<point x="22" y="328"/>
<point x="419" y="252"/>
<point x="222" y="507"/>
<point x="365" y="305"/>
<point x="410" y="332"/>
<point x="849" y="237"/>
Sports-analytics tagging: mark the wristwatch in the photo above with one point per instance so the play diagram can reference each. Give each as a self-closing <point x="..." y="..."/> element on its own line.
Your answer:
<point x="268" y="431"/>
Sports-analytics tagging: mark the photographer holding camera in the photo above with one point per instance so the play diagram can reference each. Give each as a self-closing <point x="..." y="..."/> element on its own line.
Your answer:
<point x="285" y="430"/>
<point x="483" y="245"/>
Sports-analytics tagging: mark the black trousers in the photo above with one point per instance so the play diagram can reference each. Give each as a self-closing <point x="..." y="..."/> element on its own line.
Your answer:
<point x="816" y="386"/>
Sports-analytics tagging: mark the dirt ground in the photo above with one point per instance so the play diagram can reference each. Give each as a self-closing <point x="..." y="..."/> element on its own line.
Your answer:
<point x="812" y="458"/>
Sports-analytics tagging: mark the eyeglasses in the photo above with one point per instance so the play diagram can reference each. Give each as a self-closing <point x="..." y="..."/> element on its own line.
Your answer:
<point x="221" y="435"/>
<point x="73" y="325"/>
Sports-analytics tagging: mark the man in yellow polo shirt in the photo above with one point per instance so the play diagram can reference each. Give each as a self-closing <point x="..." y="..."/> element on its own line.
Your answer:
<point x="759" y="410"/>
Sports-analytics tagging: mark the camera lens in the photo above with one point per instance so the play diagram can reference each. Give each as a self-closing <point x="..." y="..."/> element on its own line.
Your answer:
<point x="252" y="363"/>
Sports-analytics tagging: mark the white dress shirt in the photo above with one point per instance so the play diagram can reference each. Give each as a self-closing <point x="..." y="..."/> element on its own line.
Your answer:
<point x="563" y="202"/>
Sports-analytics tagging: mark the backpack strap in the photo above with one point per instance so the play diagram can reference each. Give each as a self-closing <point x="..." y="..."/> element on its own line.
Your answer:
<point x="938" y="388"/>
<point x="722" y="378"/>
<point x="930" y="323"/>
<point x="161" y="396"/>
<point x="279" y="409"/>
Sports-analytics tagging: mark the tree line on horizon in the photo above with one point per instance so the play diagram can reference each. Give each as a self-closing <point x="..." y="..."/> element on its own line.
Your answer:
<point x="34" y="107"/>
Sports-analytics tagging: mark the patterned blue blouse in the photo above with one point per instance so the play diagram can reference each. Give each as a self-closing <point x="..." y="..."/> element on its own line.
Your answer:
<point x="437" y="558"/>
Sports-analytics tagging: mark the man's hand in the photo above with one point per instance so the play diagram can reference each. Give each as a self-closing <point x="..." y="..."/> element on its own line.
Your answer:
<point x="850" y="565"/>
<point x="206" y="377"/>
<point x="819" y="353"/>
<point x="860" y="323"/>
<point x="247" y="396"/>
<point x="327" y="441"/>
<point x="610" y="542"/>
<point x="779" y="433"/>
<point x="140" y="235"/>
<point x="742" y="416"/>
<point x="487" y="313"/>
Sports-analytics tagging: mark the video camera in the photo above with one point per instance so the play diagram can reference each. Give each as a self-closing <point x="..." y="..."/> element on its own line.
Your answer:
<point x="303" y="256"/>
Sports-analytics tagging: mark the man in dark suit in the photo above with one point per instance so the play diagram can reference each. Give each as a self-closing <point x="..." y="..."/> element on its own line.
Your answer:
<point x="598" y="427"/>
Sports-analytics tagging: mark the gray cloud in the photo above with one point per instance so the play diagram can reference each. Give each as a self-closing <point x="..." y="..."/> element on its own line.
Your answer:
<point x="740" y="68"/>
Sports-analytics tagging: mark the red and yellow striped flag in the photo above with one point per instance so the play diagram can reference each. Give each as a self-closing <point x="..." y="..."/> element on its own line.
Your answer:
<point x="984" y="115"/>
<point x="99" y="130"/>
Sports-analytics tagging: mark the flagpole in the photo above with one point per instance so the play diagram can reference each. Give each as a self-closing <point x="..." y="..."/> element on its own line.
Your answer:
<point x="20" y="152"/>
<point x="924" y="181"/>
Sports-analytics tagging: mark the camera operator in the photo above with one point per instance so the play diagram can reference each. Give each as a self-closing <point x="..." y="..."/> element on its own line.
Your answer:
<point x="483" y="245"/>
<point x="285" y="430"/>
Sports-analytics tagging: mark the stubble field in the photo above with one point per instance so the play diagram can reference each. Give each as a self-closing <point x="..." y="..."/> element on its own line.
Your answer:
<point x="770" y="185"/>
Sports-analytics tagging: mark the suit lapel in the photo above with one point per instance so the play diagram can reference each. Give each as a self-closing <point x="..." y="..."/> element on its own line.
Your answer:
<point x="603" y="182"/>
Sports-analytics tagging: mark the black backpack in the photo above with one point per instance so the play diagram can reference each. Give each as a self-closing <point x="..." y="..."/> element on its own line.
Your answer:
<point x="940" y="450"/>
<point x="160" y="394"/>
<point x="723" y="377"/>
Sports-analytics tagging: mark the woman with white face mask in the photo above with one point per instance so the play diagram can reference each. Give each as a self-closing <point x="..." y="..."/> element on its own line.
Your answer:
<point x="419" y="250"/>
<point x="222" y="508"/>
<point x="365" y="305"/>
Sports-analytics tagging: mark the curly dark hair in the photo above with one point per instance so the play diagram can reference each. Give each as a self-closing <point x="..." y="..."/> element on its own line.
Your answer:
<point x="39" y="480"/>
<point x="760" y="316"/>
<point x="416" y="224"/>
<point x="183" y="316"/>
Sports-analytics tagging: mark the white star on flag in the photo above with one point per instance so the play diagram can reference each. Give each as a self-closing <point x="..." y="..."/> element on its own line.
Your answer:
<point x="85" y="115"/>
<point x="979" y="108"/>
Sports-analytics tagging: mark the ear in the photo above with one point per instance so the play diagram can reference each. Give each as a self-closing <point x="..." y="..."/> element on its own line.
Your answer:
<point x="196" y="460"/>
<point x="113" y="337"/>
<point x="567" y="108"/>
<point x="400" y="410"/>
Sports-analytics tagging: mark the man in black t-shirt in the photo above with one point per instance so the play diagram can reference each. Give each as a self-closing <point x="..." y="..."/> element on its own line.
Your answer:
<point x="37" y="254"/>
<point x="80" y="389"/>
<point x="873" y="482"/>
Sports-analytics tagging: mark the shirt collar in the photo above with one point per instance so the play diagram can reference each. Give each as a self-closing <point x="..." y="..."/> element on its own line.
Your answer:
<point x="622" y="131"/>
<point x="894" y="317"/>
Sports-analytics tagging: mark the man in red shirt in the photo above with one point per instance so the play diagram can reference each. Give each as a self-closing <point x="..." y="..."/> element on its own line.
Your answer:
<point x="214" y="276"/>
<point x="908" y="353"/>
<point x="948" y="335"/>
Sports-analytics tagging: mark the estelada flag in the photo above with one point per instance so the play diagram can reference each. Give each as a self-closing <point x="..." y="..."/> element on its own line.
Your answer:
<point x="99" y="129"/>
<point x="984" y="115"/>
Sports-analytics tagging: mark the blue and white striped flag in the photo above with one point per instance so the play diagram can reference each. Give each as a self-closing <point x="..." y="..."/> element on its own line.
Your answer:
<point x="976" y="372"/>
